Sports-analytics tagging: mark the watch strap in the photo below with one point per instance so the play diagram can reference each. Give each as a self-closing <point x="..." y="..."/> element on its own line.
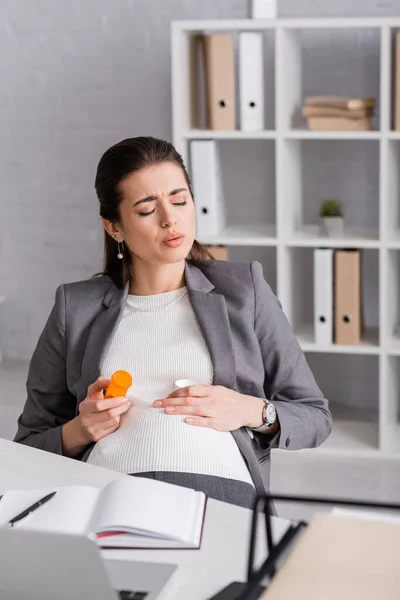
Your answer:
<point x="262" y="428"/>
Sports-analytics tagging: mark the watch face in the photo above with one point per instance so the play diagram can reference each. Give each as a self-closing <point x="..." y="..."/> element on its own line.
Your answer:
<point x="270" y="413"/>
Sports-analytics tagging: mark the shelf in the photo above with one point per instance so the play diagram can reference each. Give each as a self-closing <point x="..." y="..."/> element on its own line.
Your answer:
<point x="270" y="134"/>
<point x="339" y="23"/>
<point x="305" y="134"/>
<point x="287" y="23"/>
<point x="284" y="182"/>
<point x="310" y="236"/>
<point x="243" y="235"/>
<point x="200" y="134"/>
<point x="225" y="25"/>
<point x="369" y="343"/>
<point x="295" y="134"/>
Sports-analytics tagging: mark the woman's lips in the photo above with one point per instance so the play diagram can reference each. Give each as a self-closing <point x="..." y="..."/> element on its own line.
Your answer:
<point x="175" y="243"/>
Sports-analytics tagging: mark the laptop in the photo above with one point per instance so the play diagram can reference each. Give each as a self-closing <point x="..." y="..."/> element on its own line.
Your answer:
<point x="37" y="565"/>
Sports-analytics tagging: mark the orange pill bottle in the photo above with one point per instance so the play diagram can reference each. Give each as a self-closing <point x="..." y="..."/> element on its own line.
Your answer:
<point x="120" y="383"/>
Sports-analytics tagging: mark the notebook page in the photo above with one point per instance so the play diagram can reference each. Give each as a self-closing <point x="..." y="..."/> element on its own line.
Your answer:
<point x="138" y="542"/>
<point x="123" y="540"/>
<point x="146" y="506"/>
<point x="195" y="524"/>
<point x="69" y="511"/>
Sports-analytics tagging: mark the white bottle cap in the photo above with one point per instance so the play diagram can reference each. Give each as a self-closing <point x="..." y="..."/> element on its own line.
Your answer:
<point x="181" y="383"/>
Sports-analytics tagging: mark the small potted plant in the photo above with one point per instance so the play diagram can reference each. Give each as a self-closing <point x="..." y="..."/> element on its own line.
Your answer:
<point x="331" y="218"/>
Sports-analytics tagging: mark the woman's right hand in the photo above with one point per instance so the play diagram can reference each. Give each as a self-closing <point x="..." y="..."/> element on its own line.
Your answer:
<point x="99" y="416"/>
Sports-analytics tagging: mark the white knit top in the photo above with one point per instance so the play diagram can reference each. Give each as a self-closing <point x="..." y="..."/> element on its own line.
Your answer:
<point x="159" y="341"/>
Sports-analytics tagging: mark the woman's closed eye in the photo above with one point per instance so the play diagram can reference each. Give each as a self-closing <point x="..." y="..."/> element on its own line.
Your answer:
<point x="146" y="214"/>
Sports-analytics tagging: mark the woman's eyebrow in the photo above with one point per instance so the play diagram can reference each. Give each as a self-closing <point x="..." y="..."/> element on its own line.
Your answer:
<point x="152" y="198"/>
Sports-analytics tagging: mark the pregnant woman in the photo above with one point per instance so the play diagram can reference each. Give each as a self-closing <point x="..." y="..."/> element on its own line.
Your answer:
<point x="163" y="309"/>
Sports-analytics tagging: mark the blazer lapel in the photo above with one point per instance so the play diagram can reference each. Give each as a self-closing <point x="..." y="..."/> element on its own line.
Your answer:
<point x="212" y="315"/>
<point x="101" y="335"/>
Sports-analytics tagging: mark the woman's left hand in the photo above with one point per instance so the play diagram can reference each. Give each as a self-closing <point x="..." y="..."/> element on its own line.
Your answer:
<point x="214" y="406"/>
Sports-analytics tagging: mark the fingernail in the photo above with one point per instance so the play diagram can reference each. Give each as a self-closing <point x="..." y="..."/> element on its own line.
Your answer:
<point x="157" y="403"/>
<point x="189" y="420"/>
<point x="170" y="409"/>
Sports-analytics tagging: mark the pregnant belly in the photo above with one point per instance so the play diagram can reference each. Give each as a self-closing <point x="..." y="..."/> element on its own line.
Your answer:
<point x="144" y="429"/>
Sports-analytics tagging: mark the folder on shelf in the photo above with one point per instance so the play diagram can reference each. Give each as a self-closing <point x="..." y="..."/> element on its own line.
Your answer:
<point x="198" y="100"/>
<point x="220" y="75"/>
<point x="207" y="188"/>
<point x="348" y="321"/>
<point x="323" y="296"/>
<point x="251" y="81"/>
<point x="397" y="84"/>
<point x="218" y="252"/>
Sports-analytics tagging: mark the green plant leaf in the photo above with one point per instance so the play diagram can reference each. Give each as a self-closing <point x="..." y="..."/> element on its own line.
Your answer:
<point x="331" y="208"/>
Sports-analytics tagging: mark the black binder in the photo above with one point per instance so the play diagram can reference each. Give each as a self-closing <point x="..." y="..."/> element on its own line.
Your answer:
<point x="253" y="588"/>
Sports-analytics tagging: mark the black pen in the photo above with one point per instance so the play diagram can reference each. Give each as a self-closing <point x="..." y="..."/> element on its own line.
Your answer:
<point x="30" y="509"/>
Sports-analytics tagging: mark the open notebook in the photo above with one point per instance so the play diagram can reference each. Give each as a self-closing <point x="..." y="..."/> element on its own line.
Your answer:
<point x="127" y="513"/>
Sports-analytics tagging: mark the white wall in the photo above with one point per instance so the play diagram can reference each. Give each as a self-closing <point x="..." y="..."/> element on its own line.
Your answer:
<point x="78" y="76"/>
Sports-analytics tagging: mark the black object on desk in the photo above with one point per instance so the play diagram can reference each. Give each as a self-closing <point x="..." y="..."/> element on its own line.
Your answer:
<point x="233" y="591"/>
<point x="31" y="509"/>
<point x="252" y="589"/>
<point x="127" y="595"/>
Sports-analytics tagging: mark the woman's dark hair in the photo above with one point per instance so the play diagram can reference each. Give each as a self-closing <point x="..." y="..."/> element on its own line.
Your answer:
<point x="117" y="163"/>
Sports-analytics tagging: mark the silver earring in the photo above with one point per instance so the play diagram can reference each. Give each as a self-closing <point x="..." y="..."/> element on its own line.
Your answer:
<point x="120" y="249"/>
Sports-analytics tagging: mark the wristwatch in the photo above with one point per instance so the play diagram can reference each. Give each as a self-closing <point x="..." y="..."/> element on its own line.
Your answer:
<point x="268" y="415"/>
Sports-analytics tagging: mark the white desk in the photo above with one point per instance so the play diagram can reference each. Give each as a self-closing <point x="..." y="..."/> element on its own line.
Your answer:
<point x="221" y="559"/>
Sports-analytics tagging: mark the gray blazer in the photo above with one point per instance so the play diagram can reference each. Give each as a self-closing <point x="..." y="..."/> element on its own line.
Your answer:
<point x="251" y="344"/>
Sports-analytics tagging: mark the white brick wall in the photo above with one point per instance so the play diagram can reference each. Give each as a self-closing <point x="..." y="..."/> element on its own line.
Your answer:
<point x="77" y="76"/>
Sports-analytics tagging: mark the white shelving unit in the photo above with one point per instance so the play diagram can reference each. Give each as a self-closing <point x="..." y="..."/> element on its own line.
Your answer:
<point x="365" y="429"/>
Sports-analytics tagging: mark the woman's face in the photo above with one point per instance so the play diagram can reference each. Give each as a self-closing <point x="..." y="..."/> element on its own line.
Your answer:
<point x="157" y="203"/>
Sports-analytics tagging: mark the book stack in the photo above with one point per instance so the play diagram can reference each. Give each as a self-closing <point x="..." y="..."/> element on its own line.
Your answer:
<point x="338" y="113"/>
